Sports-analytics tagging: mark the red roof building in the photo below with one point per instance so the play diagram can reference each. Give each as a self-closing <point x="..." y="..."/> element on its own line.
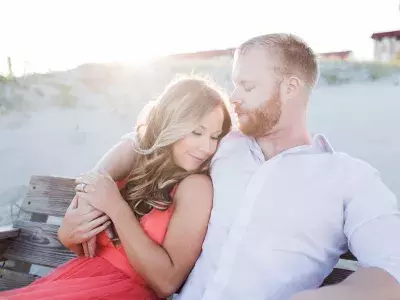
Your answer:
<point x="386" y="45"/>
<point x="387" y="34"/>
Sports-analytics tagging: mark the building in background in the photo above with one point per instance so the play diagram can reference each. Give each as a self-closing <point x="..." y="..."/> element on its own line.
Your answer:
<point x="386" y="46"/>
<point x="339" y="55"/>
<point x="218" y="53"/>
<point x="229" y="52"/>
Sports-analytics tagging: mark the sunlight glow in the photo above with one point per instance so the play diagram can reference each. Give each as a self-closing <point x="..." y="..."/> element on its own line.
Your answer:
<point x="44" y="35"/>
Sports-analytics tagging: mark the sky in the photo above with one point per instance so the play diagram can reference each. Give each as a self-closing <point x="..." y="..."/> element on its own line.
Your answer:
<point x="45" y="35"/>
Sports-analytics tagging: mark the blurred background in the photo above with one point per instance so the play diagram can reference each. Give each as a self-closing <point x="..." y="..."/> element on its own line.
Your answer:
<point x="75" y="75"/>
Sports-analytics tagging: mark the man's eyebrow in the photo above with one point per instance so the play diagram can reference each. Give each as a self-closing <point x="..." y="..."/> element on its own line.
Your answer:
<point x="246" y="81"/>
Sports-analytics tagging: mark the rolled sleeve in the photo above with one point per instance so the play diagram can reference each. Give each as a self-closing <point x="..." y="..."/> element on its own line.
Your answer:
<point x="372" y="222"/>
<point x="133" y="136"/>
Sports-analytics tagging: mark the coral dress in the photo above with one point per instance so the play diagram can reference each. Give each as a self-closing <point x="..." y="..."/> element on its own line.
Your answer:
<point x="108" y="275"/>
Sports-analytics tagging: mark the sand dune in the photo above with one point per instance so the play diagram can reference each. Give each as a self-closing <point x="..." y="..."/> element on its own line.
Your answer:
<point x="61" y="124"/>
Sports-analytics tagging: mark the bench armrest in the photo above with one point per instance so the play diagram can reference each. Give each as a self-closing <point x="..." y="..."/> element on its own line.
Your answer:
<point x="8" y="231"/>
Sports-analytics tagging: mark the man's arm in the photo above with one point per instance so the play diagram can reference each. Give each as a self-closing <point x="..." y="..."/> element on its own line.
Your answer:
<point x="372" y="227"/>
<point x="118" y="161"/>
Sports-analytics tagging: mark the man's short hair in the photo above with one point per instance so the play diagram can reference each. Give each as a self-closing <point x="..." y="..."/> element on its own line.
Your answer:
<point x="295" y="56"/>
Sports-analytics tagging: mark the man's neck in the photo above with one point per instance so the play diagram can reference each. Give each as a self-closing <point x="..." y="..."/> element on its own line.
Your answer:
<point x="281" y="140"/>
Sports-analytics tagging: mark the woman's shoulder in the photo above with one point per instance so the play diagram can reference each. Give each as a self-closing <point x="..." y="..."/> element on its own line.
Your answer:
<point x="194" y="187"/>
<point x="195" y="182"/>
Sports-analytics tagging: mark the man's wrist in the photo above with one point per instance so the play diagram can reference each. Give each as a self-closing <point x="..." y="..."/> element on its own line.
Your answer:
<point x="119" y="207"/>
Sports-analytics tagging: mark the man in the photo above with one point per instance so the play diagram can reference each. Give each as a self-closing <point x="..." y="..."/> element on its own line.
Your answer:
<point x="286" y="205"/>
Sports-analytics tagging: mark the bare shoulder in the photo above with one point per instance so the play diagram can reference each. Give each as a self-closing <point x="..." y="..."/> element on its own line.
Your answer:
<point x="196" y="189"/>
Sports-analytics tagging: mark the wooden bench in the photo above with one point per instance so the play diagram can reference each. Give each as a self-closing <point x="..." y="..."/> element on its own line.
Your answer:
<point x="32" y="240"/>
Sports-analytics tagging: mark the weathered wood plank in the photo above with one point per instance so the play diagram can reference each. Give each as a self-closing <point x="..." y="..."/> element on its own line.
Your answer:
<point x="38" y="244"/>
<point x="8" y="231"/>
<point x="3" y="247"/>
<point x="11" y="279"/>
<point x="348" y="256"/>
<point x="49" y="195"/>
<point x="17" y="266"/>
<point x="337" y="275"/>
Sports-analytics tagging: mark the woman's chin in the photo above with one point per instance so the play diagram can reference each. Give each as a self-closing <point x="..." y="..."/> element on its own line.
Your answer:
<point x="191" y="167"/>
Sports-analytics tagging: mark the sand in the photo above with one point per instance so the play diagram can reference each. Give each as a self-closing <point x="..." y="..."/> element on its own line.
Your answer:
<point x="359" y="118"/>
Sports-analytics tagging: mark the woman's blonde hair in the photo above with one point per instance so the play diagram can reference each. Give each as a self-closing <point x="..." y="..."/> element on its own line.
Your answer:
<point x="177" y="112"/>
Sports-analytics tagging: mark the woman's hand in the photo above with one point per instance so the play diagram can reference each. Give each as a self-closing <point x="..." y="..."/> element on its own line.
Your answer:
<point x="80" y="224"/>
<point x="100" y="190"/>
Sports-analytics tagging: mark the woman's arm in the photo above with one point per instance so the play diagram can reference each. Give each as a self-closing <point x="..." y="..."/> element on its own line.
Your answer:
<point x="165" y="267"/>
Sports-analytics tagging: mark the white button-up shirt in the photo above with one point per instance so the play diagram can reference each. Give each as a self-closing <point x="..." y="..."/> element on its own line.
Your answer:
<point x="279" y="226"/>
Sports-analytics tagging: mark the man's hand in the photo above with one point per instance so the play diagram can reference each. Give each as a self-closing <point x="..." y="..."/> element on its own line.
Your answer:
<point x="312" y="295"/>
<point x="80" y="224"/>
<point x="89" y="247"/>
<point x="363" y="284"/>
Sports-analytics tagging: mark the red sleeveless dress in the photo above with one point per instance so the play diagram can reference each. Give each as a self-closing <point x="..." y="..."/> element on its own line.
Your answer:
<point x="108" y="275"/>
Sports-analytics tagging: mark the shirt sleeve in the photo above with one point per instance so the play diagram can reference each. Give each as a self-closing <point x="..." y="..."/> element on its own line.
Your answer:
<point x="372" y="221"/>
<point x="130" y="136"/>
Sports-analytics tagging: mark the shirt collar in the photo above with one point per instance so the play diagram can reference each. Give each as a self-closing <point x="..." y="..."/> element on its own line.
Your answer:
<point x="319" y="144"/>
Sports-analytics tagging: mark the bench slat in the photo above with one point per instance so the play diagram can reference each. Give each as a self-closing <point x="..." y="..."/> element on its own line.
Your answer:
<point x="8" y="231"/>
<point x="3" y="247"/>
<point x="337" y="275"/>
<point x="38" y="244"/>
<point x="49" y="195"/>
<point x="11" y="279"/>
<point x="348" y="256"/>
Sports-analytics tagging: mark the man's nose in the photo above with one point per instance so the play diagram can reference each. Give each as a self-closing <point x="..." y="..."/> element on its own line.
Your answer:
<point x="234" y="98"/>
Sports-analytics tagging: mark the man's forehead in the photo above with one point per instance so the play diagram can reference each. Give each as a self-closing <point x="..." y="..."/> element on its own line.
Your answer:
<point x="251" y="65"/>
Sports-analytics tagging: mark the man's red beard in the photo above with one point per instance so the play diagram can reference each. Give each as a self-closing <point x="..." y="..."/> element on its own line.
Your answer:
<point x="262" y="120"/>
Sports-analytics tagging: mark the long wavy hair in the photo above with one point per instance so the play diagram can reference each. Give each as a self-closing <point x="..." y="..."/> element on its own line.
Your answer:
<point x="177" y="112"/>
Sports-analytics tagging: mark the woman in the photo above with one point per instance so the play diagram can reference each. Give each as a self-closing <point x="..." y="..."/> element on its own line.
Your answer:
<point x="159" y="209"/>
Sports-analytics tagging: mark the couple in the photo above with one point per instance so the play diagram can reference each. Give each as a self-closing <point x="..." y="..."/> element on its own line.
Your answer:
<point x="280" y="209"/>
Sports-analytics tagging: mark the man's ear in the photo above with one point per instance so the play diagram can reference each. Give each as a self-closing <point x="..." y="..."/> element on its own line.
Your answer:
<point x="293" y="86"/>
<point x="289" y="88"/>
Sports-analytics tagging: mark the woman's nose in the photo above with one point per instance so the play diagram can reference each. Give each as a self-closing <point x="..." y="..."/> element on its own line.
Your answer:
<point x="206" y="145"/>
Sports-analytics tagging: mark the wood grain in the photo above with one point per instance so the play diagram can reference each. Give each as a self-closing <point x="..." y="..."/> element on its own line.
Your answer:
<point x="11" y="279"/>
<point x="8" y="231"/>
<point x="49" y="195"/>
<point x="338" y="275"/>
<point x="38" y="244"/>
<point x="348" y="256"/>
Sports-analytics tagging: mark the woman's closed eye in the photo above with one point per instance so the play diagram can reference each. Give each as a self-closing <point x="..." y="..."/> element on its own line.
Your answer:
<point x="197" y="133"/>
